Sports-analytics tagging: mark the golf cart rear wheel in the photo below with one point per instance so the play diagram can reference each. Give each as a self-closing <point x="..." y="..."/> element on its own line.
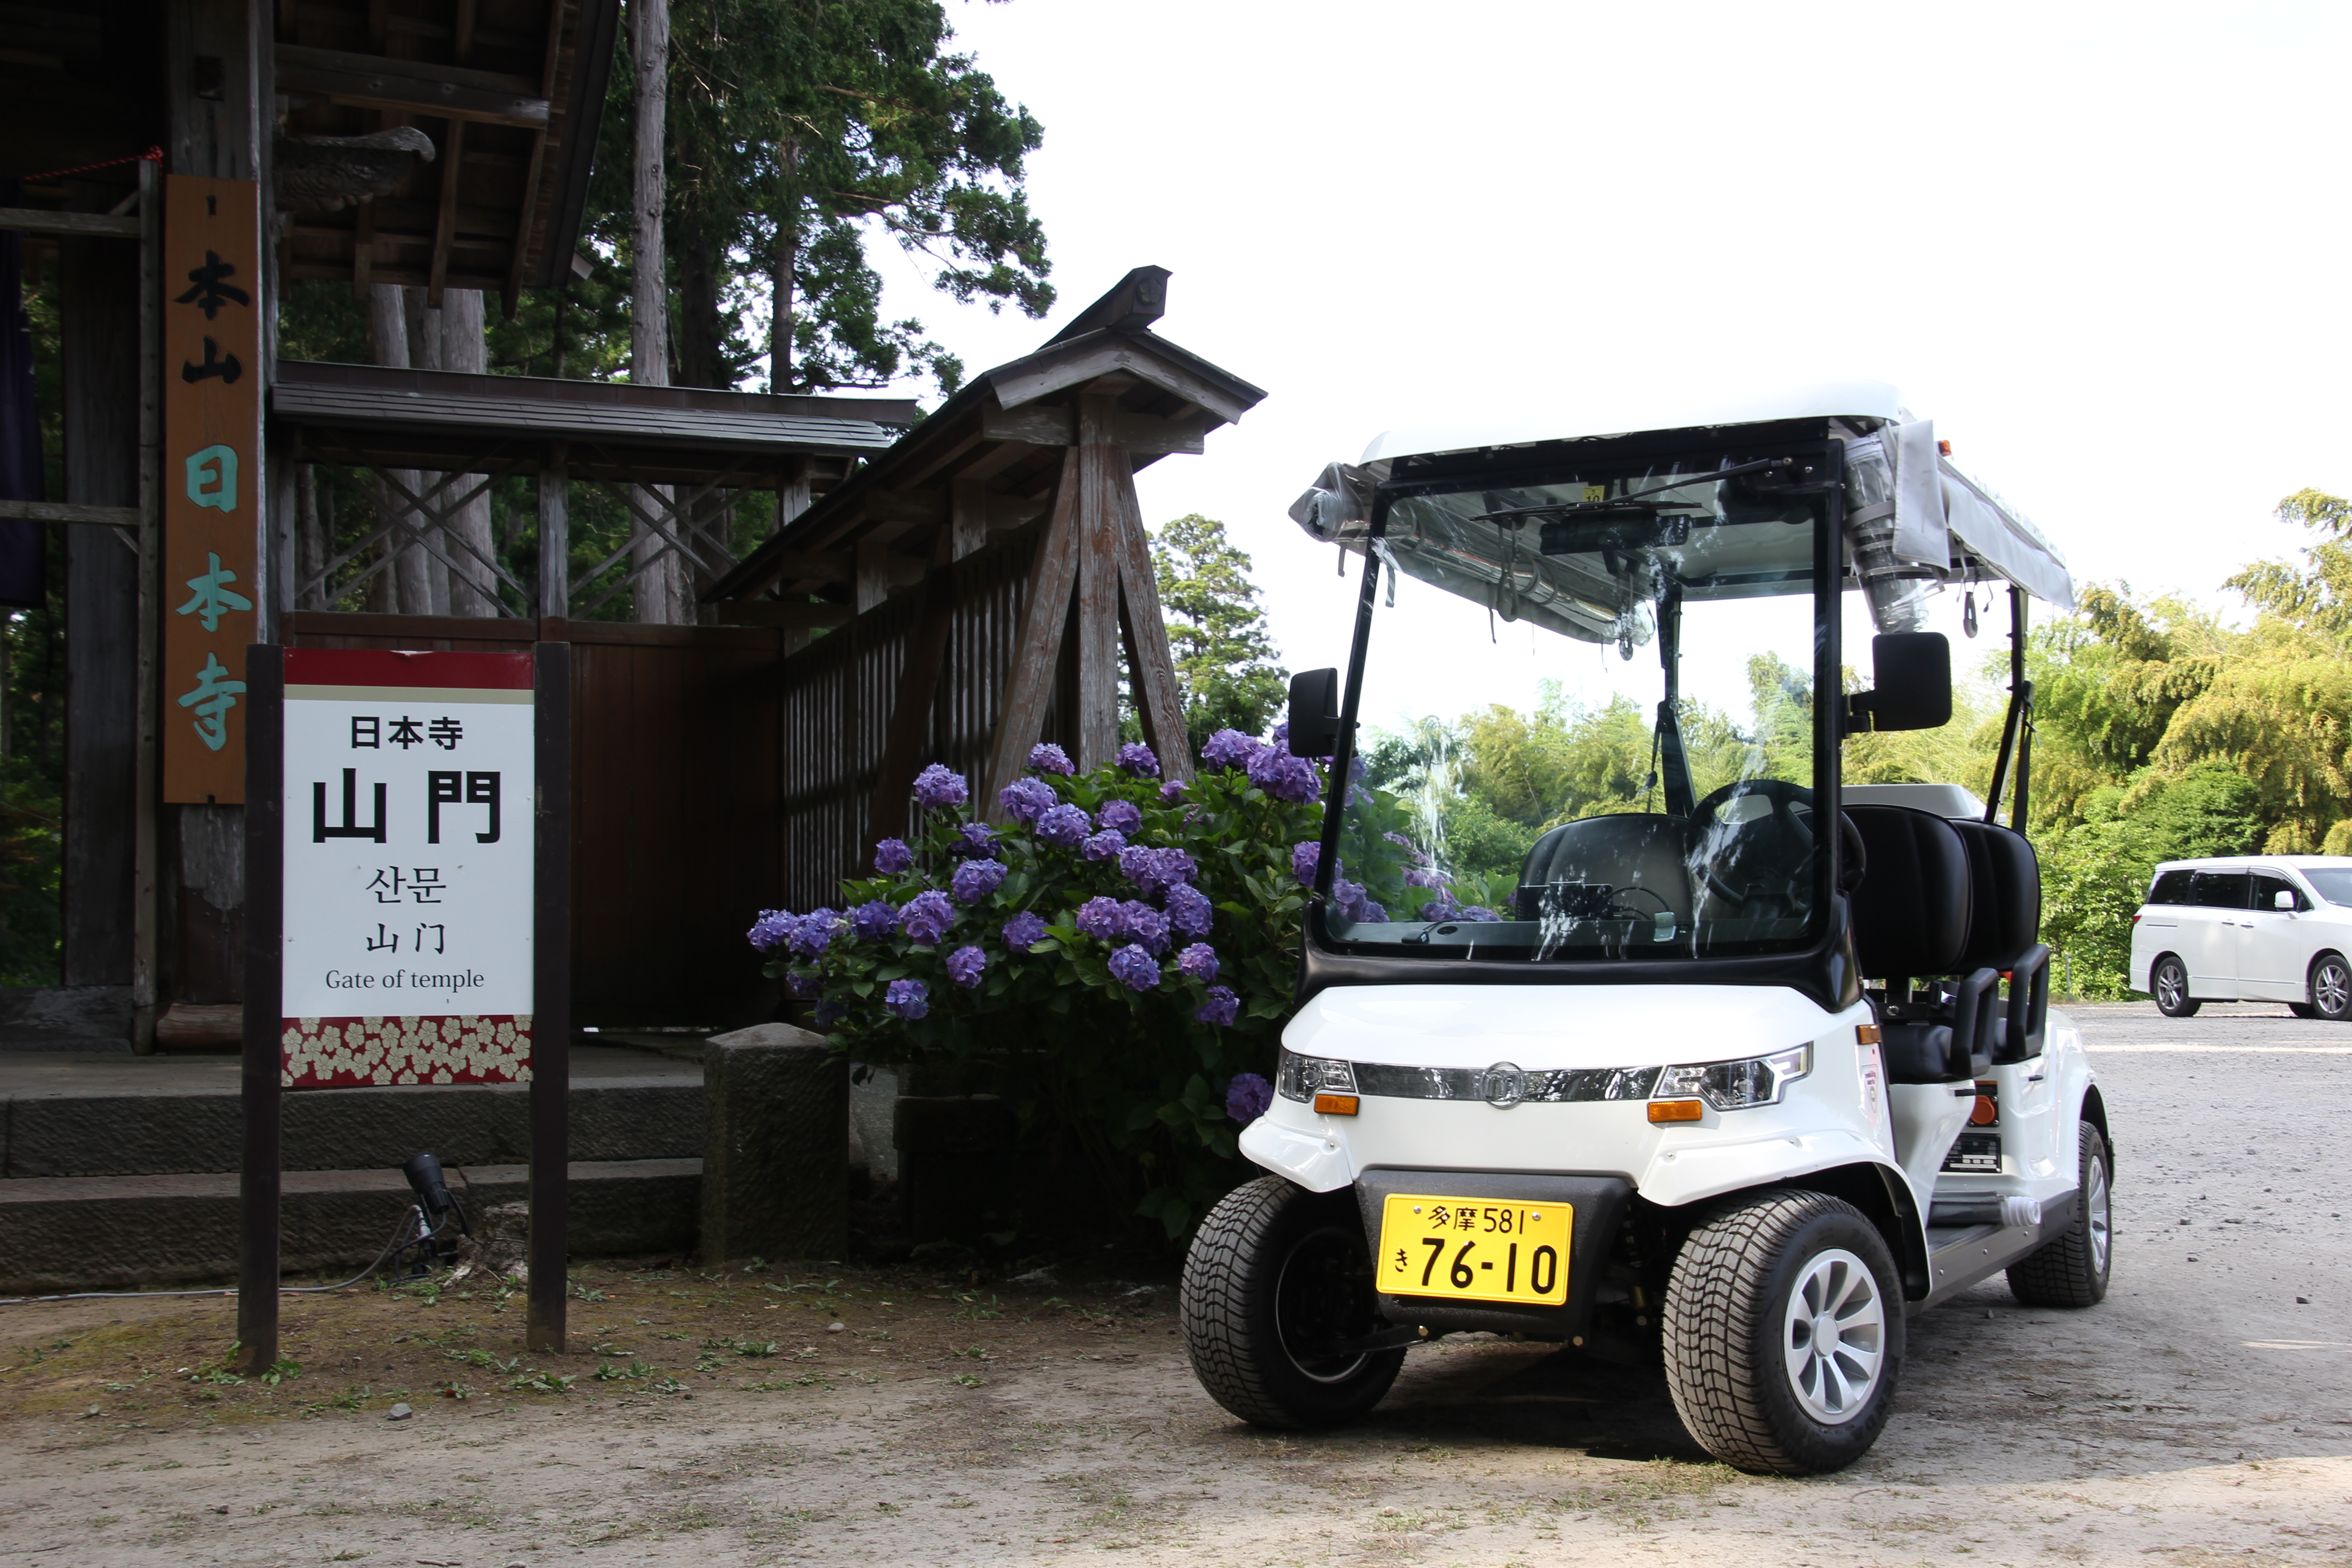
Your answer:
<point x="2331" y="988"/>
<point x="1277" y="1283"/>
<point x="1783" y="1322"/>
<point x="2072" y="1271"/>
<point x="2170" y="980"/>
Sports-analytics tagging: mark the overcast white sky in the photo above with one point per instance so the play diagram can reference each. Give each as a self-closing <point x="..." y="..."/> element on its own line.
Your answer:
<point x="2101" y="245"/>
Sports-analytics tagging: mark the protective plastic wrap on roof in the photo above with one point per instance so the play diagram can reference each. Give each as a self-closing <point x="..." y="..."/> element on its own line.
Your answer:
<point x="1914" y="521"/>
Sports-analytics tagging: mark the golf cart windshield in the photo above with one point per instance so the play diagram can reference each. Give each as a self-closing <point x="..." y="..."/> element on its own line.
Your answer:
<point x="1646" y="791"/>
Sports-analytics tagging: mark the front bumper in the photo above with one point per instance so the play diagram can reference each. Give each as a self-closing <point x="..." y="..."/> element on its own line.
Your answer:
<point x="1598" y="1204"/>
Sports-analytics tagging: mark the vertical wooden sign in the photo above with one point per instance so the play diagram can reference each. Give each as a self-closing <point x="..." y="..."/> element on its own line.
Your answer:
<point x="213" y="488"/>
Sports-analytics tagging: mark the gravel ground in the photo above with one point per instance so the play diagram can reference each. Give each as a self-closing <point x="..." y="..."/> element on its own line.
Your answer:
<point x="2202" y="1414"/>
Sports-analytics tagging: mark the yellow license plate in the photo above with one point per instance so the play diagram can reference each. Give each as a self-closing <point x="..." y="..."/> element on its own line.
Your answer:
<point x="1474" y="1249"/>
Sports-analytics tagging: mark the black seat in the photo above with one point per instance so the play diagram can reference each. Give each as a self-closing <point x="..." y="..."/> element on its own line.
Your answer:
<point x="1916" y="916"/>
<point x="2004" y="933"/>
<point x="1635" y="862"/>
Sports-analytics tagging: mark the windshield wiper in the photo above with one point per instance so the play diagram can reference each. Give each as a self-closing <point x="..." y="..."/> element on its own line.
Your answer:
<point x="1629" y="504"/>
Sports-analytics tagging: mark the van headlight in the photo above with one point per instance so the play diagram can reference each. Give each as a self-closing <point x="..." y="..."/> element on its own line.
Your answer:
<point x="1737" y="1085"/>
<point x="1304" y="1078"/>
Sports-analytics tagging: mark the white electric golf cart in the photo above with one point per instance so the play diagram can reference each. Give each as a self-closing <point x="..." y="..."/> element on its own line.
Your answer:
<point x="1748" y="1074"/>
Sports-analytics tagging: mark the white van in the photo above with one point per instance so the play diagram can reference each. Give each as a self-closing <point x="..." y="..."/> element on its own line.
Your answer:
<point x="2258" y="928"/>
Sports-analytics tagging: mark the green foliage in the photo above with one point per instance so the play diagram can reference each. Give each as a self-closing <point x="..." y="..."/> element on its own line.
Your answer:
<point x="1225" y="668"/>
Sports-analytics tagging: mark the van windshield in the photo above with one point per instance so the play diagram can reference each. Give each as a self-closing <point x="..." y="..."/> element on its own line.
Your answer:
<point x="2333" y="883"/>
<point x="1647" y="788"/>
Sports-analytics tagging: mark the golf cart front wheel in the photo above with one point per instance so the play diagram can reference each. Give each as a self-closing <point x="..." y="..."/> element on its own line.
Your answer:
<point x="1783" y="1329"/>
<point x="1277" y="1291"/>
<point x="2170" y="980"/>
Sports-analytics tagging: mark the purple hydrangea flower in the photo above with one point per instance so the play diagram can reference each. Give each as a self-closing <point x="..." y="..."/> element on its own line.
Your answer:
<point x="892" y="856"/>
<point x="773" y="929"/>
<point x="1199" y="961"/>
<point x="1280" y="739"/>
<point x="1024" y="930"/>
<point x="1412" y="850"/>
<point x="1221" y="1009"/>
<point x="925" y="918"/>
<point x="1441" y="907"/>
<point x="1135" y="969"/>
<point x="875" y="919"/>
<point x="1350" y="903"/>
<point x="829" y="1013"/>
<point x="1025" y="800"/>
<point x="908" y="998"/>
<point x="935" y="786"/>
<point x="1048" y="758"/>
<point x="1423" y="876"/>
<point x="975" y="879"/>
<point x="1477" y="914"/>
<point x="1189" y="913"/>
<point x="1063" y="826"/>
<point x="814" y="933"/>
<point x="1229" y="749"/>
<point x="1303" y="860"/>
<point x="978" y="840"/>
<point x="1098" y="918"/>
<point x="1120" y="817"/>
<point x="1171" y="792"/>
<point x="802" y="984"/>
<point x="1140" y="759"/>
<point x="1141" y="923"/>
<point x="1103" y="845"/>
<point x="965" y="964"/>
<point x="1283" y="777"/>
<point x="1248" y="1097"/>
<point x="1152" y="869"/>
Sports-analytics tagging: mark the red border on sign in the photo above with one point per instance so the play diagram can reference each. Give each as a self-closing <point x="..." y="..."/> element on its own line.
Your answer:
<point x="385" y="667"/>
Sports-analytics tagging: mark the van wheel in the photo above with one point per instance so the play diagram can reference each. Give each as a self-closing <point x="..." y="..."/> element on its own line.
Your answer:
<point x="1277" y="1281"/>
<point x="1783" y="1330"/>
<point x="2072" y="1271"/>
<point x="2170" y="980"/>
<point x="2331" y="988"/>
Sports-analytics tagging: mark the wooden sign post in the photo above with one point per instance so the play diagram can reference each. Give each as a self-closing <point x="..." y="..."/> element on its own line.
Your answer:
<point x="407" y="876"/>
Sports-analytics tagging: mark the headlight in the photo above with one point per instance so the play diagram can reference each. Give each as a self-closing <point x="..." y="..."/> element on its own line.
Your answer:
<point x="1736" y="1086"/>
<point x="1302" y="1078"/>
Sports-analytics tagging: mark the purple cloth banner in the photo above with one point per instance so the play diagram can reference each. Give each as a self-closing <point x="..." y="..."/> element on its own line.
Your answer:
<point x="23" y="546"/>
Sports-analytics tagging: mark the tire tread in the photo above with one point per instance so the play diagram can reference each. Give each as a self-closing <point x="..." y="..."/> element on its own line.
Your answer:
<point x="2059" y="1274"/>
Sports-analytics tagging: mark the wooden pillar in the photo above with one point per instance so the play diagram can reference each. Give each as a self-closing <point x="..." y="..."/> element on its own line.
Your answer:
<point x="1151" y="668"/>
<point x="99" y="325"/>
<point x="555" y="533"/>
<point x="1036" y="651"/>
<point x="1096" y="721"/>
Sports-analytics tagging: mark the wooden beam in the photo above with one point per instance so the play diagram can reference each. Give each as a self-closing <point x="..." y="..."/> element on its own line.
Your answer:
<point x="909" y="732"/>
<point x="1150" y="667"/>
<point x="448" y="92"/>
<point x="1098" y="649"/>
<point x="925" y="507"/>
<point x="445" y="228"/>
<point x="510" y="298"/>
<point x="1053" y="571"/>
<point x="785" y="617"/>
<point x="53" y="512"/>
<point x="77" y="225"/>
<point x="1041" y="426"/>
<point x="362" y="249"/>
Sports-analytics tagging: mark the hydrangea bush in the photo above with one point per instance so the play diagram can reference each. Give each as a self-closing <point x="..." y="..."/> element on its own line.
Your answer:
<point x="1117" y="960"/>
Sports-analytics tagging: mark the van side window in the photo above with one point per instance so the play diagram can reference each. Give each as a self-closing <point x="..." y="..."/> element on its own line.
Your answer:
<point x="2268" y="886"/>
<point x="2218" y="889"/>
<point x="2172" y="888"/>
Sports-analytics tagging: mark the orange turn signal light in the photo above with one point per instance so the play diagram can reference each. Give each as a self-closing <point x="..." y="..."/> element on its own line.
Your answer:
<point x="1335" y="1105"/>
<point x="1865" y="1034"/>
<point x="1676" y="1110"/>
<point x="1985" y="1113"/>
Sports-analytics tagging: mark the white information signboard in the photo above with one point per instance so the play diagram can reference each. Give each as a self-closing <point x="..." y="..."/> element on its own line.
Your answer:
<point x="408" y="868"/>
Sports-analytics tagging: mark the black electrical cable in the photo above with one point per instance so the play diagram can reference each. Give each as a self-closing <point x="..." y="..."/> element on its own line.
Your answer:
<point x="396" y="1244"/>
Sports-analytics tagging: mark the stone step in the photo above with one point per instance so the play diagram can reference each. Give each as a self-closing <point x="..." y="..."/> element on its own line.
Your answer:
<point x="66" y="1019"/>
<point x="68" y="1116"/>
<point x="127" y="1233"/>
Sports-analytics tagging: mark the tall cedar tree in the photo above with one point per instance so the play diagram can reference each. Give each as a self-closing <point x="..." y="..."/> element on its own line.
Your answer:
<point x="1226" y="671"/>
<point x="799" y="128"/>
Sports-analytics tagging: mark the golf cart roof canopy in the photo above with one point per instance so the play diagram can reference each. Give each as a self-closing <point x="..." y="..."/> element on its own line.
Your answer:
<point x="1911" y="513"/>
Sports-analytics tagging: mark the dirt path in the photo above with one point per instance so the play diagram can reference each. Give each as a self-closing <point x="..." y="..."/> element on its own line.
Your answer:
<point x="2202" y="1414"/>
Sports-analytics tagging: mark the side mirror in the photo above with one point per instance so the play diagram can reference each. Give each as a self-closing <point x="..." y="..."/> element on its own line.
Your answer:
<point x="1911" y="684"/>
<point x="1315" y="713"/>
<point x="2282" y="900"/>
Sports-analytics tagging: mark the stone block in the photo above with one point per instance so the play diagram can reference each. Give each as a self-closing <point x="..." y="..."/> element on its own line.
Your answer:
<point x="775" y="1151"/>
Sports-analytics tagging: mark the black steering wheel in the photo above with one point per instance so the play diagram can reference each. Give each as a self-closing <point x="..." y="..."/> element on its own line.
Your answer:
<point x="1760" y="859"/>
